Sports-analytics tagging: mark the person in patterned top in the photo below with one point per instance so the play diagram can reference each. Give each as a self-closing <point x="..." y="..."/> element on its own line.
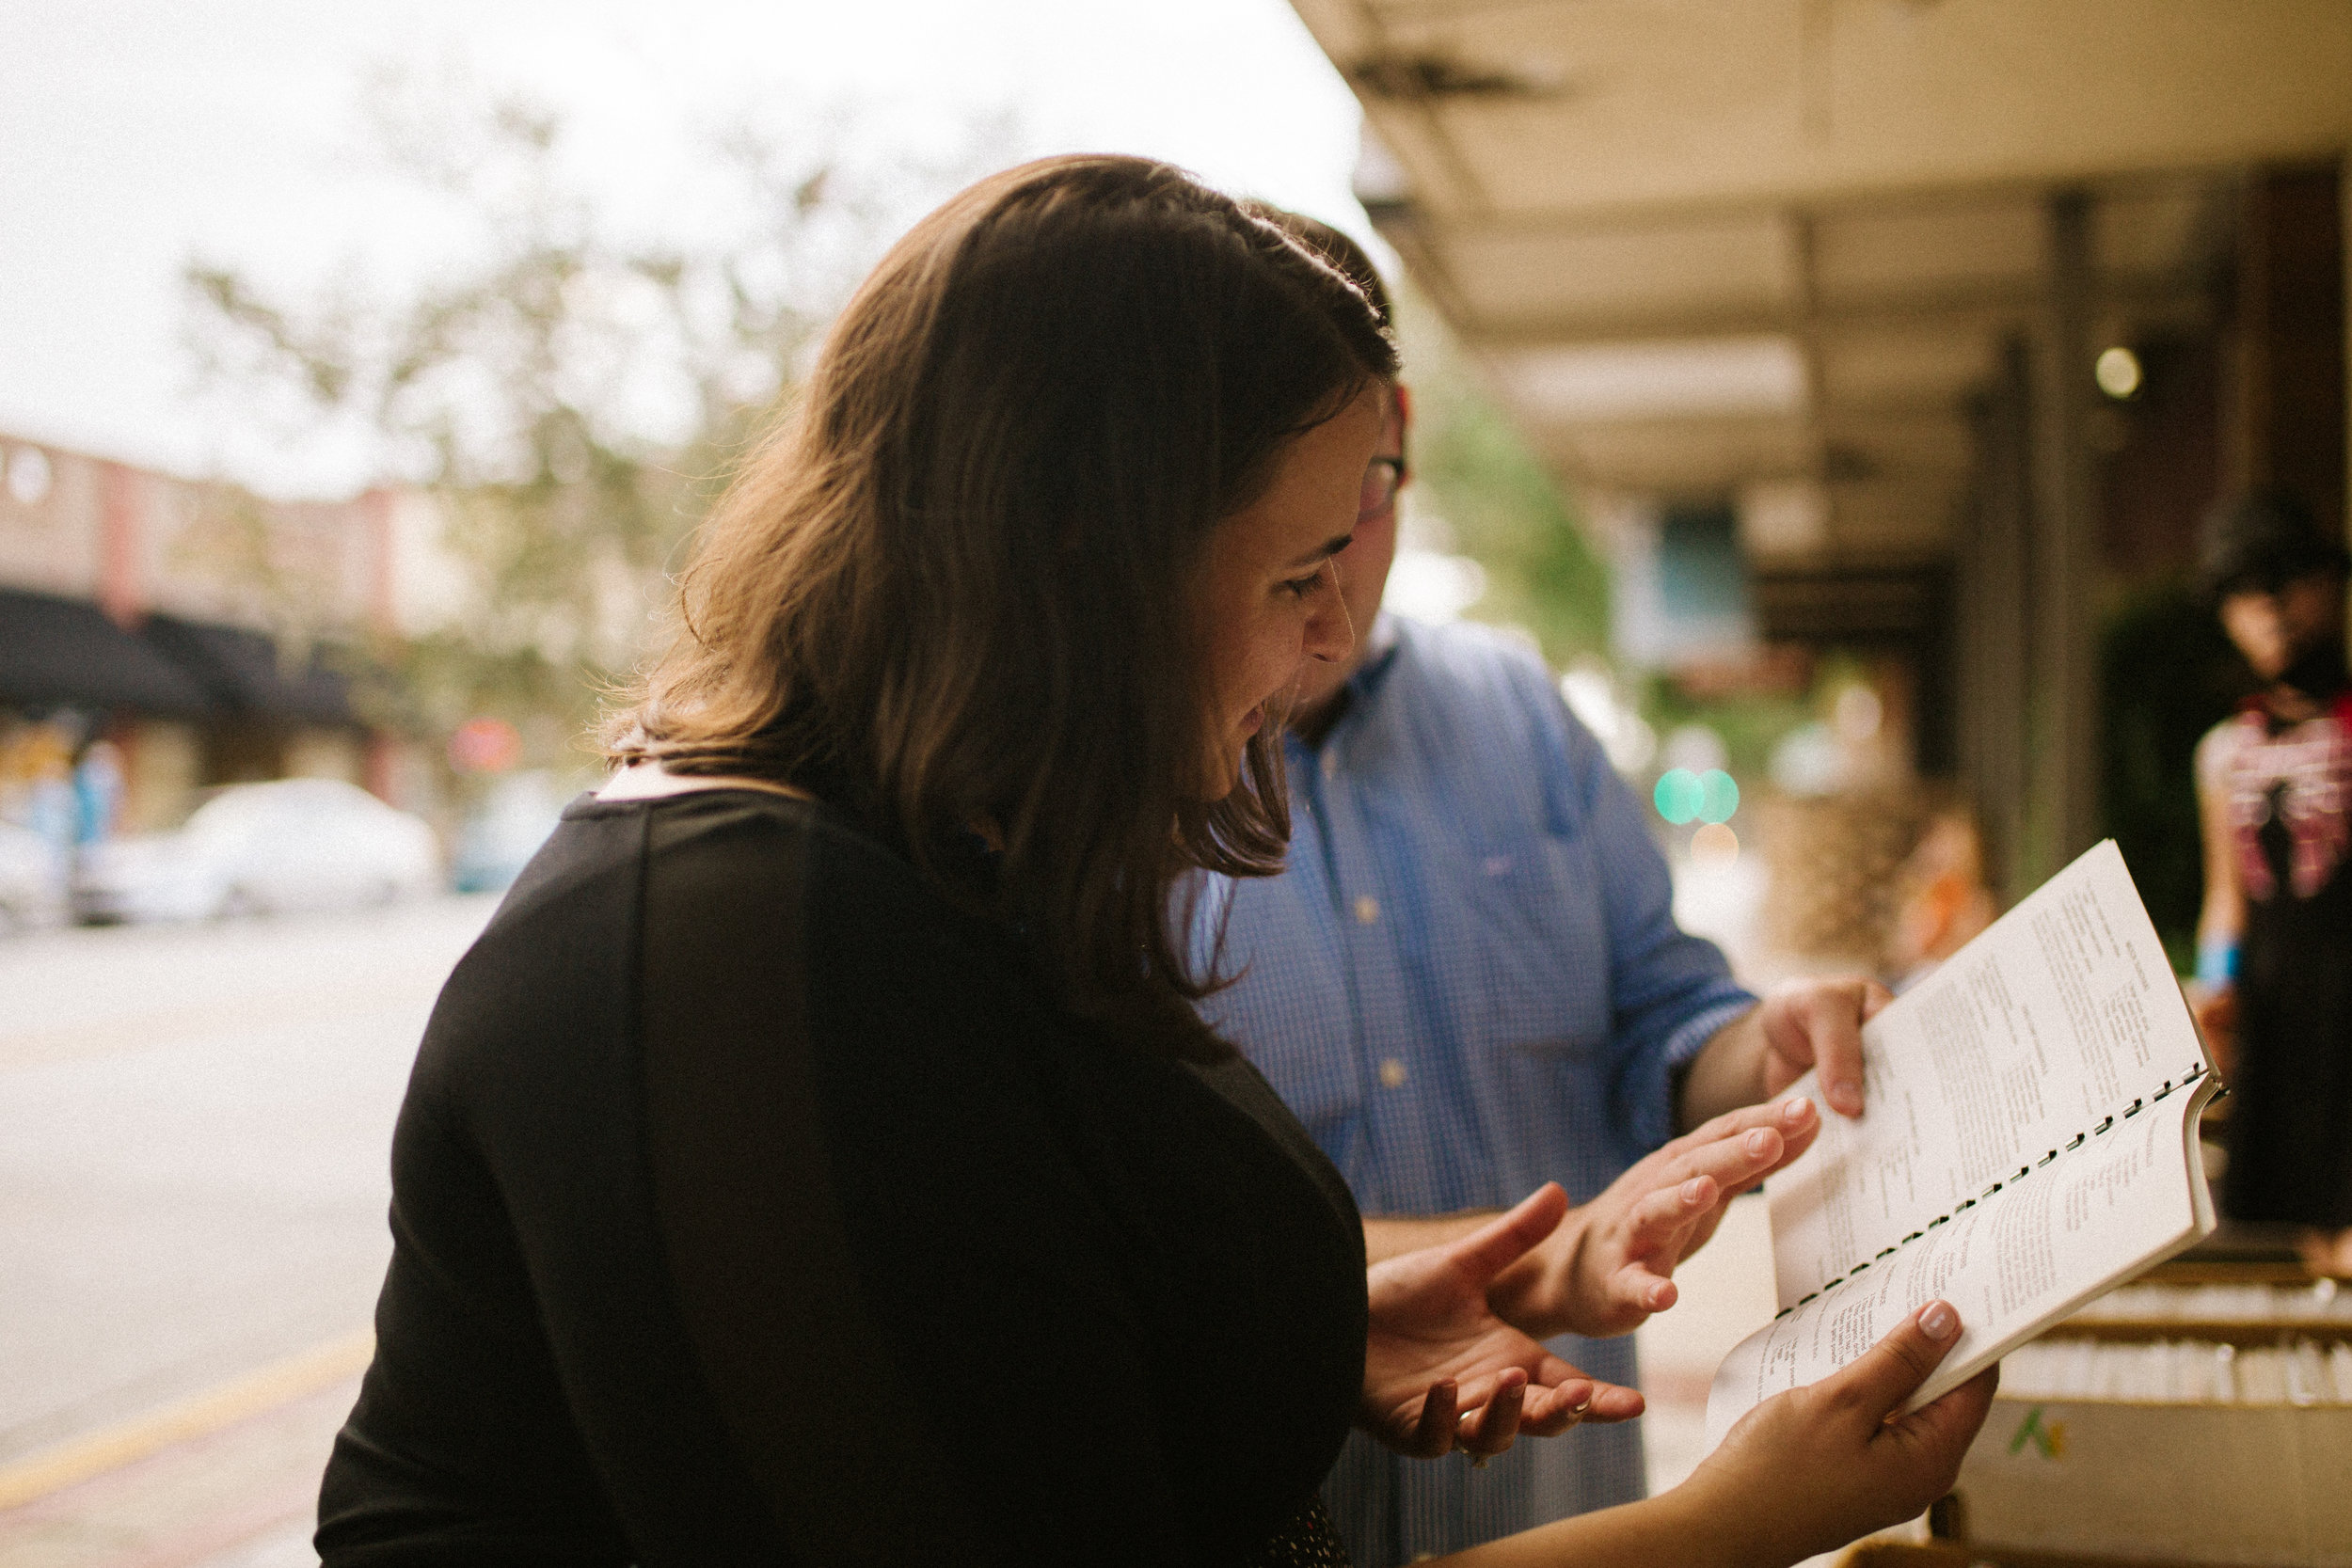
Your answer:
<point x="2274" y="785"/>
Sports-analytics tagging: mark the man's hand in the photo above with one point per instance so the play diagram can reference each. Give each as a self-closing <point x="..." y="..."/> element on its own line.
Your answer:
<point x="1441" y="1369"/>
<point x="1610" y="1263"/>
<point x="1804" y="1024"/>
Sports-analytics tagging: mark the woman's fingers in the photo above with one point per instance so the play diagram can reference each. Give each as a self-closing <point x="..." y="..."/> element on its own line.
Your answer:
<point x="1433" y="1433"/>
<point x="1495" y="1425"/>
<point x="1879" y="1380"/>
<point x="1496" y="1245"/>
<point x="1550" y="1412"/>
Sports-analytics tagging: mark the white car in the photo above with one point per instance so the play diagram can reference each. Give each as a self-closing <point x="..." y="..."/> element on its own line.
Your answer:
<point x="296" y="844"/>
<point x="32" y="881"/>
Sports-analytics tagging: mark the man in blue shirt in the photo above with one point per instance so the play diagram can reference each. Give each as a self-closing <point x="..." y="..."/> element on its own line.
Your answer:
<point x="1469" y="982"/>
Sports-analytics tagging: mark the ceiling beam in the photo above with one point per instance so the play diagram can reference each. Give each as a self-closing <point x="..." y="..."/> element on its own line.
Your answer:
<point x="1987" y="306"/>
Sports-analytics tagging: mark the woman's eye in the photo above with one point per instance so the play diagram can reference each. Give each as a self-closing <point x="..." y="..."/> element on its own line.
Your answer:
<point x="1298" y="587"/>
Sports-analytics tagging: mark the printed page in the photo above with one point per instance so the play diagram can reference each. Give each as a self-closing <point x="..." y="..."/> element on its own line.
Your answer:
<point x="2012" y="1264"/>
<point x="2063" y="1012"/>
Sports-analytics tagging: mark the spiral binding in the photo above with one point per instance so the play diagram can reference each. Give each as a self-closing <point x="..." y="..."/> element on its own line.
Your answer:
<point x="2107" y="1124"/>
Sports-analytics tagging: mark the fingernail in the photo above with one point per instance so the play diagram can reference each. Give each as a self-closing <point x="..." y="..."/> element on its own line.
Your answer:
<point x="1759" y="1142"/>
<point x="1583" y="1407"/>
<point x="1794" y="1113"/>
<point x="1695" y="1191"/>
<point x="1936" y="1320"/>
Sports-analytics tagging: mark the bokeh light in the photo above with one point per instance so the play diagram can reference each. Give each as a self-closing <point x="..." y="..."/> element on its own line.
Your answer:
<point x="2118" y="373"/>
<point x="1719" y="797"/>
<point x="1679" y="796"/>
<point x="1714" y="845"/>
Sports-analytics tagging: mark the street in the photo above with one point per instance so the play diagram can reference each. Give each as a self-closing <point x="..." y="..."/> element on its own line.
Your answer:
<point x="194" y="1131"/>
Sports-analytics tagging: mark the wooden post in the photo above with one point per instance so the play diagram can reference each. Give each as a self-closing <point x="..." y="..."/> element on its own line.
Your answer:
<point x="2063" y="819"/>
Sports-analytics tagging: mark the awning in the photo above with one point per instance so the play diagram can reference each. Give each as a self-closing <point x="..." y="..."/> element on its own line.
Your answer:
<point x="64" y="652"/>
<point x="242" y="674"/>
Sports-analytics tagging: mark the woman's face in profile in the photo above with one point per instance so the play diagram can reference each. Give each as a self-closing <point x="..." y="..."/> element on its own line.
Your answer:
<point x="1271" y="598"/>
<point x="2273" y="627"/>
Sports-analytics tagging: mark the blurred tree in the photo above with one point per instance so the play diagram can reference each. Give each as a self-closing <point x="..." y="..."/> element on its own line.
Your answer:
<point x="1495" y="497"/>
<point x="569" y="398"/>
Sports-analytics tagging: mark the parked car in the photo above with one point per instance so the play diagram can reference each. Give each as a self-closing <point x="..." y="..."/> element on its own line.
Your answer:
<point x="516" y="816"/>
<point x="32" y="881"/>
<point x="296" y="844"/>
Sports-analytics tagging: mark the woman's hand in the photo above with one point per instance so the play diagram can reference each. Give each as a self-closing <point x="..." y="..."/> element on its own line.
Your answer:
<point x="1611" y="1264"/>
<point x="1442" y="1369"/>
<point x="1809" y="1470"/>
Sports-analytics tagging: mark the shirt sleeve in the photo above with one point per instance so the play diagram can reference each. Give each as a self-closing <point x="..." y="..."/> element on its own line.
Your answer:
<point x="1670" y="991"/>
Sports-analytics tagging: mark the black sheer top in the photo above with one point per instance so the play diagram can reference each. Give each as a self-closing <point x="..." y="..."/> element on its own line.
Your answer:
<point x="750" y="1205"/>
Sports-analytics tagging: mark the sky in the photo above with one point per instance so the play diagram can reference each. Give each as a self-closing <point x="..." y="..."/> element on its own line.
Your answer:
<point x="139" y="134"/>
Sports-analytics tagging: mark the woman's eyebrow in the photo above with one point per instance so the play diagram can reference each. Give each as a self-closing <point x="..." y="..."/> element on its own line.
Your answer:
<point x="1326" y="550"/>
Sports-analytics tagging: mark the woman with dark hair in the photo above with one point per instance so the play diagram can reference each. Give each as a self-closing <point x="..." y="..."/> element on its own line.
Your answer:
<point x="2274" y="941"/>
<point x="819" y="1158"/>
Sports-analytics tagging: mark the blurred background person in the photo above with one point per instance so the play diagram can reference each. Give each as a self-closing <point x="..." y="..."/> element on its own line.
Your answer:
<point x="2274" y="943"/>
<point x="1887" y="878"/>
<point x="1469" y="982"/>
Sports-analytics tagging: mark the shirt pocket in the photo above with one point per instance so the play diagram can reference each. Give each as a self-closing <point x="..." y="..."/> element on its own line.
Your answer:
<point x="1539" y="947"/>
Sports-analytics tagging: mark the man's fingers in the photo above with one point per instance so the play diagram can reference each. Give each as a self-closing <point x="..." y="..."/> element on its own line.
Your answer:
<point x="1613" y="1402"/>
<point x="1738" y="1160"/>
<point x="1496" y="1245"/>
<point x="1829" y="1014"/>
<point x="1660" y="1217"/>
<point x="1636" y="1288"/>
<point x="1789" y="1114"/>
<point x="1884" y="1375"/>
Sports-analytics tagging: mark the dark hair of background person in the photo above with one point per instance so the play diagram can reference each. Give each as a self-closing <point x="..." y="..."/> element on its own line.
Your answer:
<point x="957" y="584"/>
<point x="2263" y="541"/>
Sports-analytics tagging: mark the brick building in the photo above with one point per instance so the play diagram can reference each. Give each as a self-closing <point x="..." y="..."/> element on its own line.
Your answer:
<point x="210" y="635"/>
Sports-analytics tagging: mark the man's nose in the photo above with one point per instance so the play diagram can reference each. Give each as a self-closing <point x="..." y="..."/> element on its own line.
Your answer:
<point x="1330" y="637"/>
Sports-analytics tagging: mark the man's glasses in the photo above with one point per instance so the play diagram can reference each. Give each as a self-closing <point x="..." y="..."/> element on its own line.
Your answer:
<point x="1382" y="480"/>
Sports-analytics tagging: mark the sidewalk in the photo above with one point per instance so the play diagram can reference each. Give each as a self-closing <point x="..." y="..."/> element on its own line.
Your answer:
<point x="243" y="1497"/>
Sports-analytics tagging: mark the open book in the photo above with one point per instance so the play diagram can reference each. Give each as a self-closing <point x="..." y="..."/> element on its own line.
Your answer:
<point x="2028" y="1139"/>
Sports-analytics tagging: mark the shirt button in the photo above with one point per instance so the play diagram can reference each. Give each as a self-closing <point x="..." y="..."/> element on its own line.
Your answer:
<point x="1367" y="909"/>
<point x="1391" y="1074"/>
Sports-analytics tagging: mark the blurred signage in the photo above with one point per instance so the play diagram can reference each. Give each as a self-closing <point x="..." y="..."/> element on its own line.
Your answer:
<point x="485" y="746"/>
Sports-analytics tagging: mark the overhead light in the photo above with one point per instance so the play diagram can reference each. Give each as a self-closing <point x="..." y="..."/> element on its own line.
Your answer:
<point x="2118" y="373"/>
<point x="1672" y="379"/>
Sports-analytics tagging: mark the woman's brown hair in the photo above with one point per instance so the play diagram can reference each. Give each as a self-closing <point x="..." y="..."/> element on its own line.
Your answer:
<point x="957" y="586"/>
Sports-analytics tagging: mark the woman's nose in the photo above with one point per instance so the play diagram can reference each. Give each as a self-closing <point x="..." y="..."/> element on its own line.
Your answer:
<point x="1330" y="637"/>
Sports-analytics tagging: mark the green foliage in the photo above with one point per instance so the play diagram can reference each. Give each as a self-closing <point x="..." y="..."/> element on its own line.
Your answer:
<point x="1497" y="498"/>
<point x="1750" y="724"/>
<point x="570" y="399"/>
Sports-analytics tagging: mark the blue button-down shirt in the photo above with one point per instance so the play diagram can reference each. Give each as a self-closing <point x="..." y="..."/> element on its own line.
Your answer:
<point x="1469" y="982"/>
